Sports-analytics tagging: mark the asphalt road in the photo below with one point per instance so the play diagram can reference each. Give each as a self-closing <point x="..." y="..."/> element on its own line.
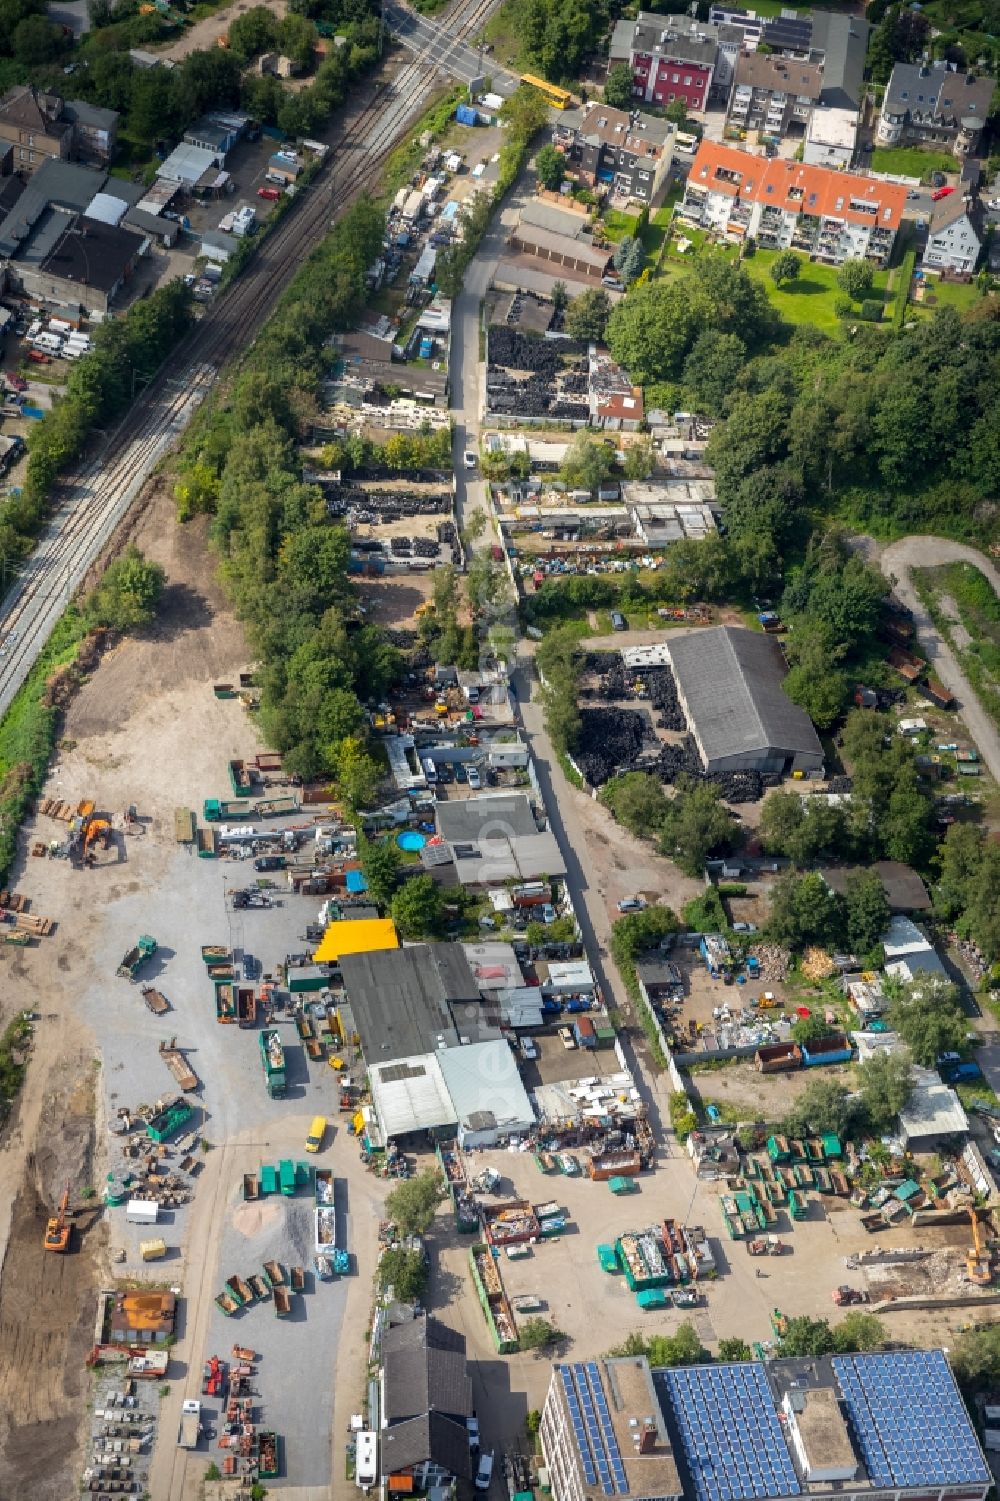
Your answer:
<point x="896" y="562"/>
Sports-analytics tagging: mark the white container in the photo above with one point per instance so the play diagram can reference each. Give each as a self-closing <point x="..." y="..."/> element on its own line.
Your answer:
<point x="142" y="1212"/>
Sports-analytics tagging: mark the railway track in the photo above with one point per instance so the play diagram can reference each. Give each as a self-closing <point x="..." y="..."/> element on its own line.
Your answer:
<point x="94" y="498"/>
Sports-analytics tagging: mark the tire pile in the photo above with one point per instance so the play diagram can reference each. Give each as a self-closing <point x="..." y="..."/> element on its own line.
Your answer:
<point x="738" y="786"/>
<point x="662" y="690"/>
<point x="364" y="506"/>
<point x="550" y="378"/>
<point x="839" y="784"/>
<point x="610" y="741"/>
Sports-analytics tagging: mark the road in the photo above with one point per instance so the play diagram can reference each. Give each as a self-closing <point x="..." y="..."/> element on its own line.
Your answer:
<point x="896" y="562"/>
<point x="92" y="501"/>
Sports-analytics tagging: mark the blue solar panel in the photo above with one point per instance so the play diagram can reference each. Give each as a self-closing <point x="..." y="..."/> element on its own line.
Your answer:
<point x="590" y="1416"/>
<point x="908" y="1419"/>
<point x="730" y="1433"/>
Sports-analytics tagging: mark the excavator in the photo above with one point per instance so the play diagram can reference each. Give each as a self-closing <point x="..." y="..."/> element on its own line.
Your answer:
<point x="97" y="828"/>
<point x="57" y="1231"/>
<point x="978" y="1262"/>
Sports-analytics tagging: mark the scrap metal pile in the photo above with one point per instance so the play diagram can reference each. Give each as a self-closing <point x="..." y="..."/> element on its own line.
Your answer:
<point x="377" y="507"/>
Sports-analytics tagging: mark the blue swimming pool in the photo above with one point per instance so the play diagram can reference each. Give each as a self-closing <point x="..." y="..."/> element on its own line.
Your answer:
<point x="410" y="839"/>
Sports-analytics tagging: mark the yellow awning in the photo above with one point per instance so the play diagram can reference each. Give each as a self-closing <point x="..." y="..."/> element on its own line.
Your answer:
<point x="361" y="936"/>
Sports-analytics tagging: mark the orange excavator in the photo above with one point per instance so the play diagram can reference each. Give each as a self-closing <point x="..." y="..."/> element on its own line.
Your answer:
<point x="57" y="1231"/>
<point x="97" y="828"/>
<point x="978" y="1262"/>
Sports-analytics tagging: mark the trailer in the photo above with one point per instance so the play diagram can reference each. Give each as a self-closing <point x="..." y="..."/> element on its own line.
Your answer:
<point x="178" y="1065"/>
<point x="272" y="1057"/>
<point x="217" y="810"/>
<point x="282" y="1302"/>
<point x="297" y="1275"/>
<point x="274" y="1274"/>
<point x="323" y="1186"/>
<point x="208" y="844"/>
<point x="215" y="953"/>
<point x="227" y="1304"/>
<point x="155" y="1000"/>
<point x="137" y="956"/>
<point x="240" y="778"/>
<point x="614" y="1165"/>
<point x="183" y="825"/>
<point x="268" y="1455"/>
<point x="246" y="1006"/>
<point x="276" y="807"/>
<point x="225" y="1002"/>
<point x="251" y="1187"/>
<point x="168" y="1119"/>
<point x="325" y="1229"/>
<point x="189" y="1431"/>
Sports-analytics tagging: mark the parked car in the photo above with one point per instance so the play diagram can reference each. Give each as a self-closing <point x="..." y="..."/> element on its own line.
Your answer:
<point x="470" y="459"/>
<point x="271" y="194"/>
<point x="940" y="193"/>
<point x="473" y="1426"/>
<point x="567" y="1038"/>
<point x="632" y="904"/>
<point x="474" y="779"/>
<point x="618" y="621"/>
<point x="484" y="1474"/>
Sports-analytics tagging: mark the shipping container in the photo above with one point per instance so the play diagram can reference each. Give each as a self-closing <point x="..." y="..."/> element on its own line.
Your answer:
<point x="152" y="1250"/>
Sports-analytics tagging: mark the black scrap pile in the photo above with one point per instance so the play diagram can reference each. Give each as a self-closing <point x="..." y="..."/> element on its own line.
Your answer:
<point x="511" y="350"/>
<point x="404" y="476"/>
<point x="600" y="661"/>
<point x="839" y="784"/>
<point x="610" y="741"/>
<point x="377" y="509"/>
<point x="550" y="378"/>
<point x="446" y="532"/>
<point x="662" y="690"/>
<point x="672" y="761"/>
<point x="425" y="547"/>
<point x="738" y="786"/>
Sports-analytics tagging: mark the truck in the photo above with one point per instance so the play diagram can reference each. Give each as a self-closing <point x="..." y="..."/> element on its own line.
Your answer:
<point x="190" y="1428"/>
<point x="272" y="1057"/>
<point x="137" y="956"/>
<point x="178" y="1065"/>
<point x="275" y="807"/>
<point x="183" y="825"/>
<point x="246" y="1005"/>
<point x="215" y="809"/>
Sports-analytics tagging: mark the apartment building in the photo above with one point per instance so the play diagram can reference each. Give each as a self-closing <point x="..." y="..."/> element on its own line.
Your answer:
<point x="773" y="95"/>
<point x="954" y="235"/>
<point x="628" y="154"/>
<point x="42" y="127"/>
<point x="782" y="205"/>
<point x="671" y="57"/>
<point x="933" y="104"/>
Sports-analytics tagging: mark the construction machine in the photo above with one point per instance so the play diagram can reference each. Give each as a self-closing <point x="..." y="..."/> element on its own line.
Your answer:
<point x="978" y="1260"/>
<point x="97" y="828"/>
<point x="57" y="1231"/>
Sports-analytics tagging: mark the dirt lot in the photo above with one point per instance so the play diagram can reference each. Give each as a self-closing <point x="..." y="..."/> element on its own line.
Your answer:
<point x="205" y="34"/>
<point x="761" y="1096"/>
<point x="395" y="601"/>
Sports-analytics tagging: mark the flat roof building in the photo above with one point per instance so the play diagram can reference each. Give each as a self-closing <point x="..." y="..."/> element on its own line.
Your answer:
<point x="729" y="682"/>
<point x="486" y="1093"/>
<point x="414" y="1000"/>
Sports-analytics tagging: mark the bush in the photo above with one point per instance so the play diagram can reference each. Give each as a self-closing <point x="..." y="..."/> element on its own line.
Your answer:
<point x="682" y="1117"/>
<point x="871" y="311"/>
<point x="705" y="913"/>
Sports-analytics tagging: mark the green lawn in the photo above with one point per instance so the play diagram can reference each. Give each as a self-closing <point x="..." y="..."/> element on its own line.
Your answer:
<point x="960" y="295"/>
<point x="617" y="225"/>
<point x="812" y="298"/>
<point x="908" y="161"/>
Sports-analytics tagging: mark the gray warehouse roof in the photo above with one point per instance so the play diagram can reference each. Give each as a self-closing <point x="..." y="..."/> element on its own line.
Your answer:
<point x="731" y="681"/>
<point x="500" y="815"/>
<point x="425" y="1370"/>
<point x="408" y="1001"/>
<point x="484" y="1077"/>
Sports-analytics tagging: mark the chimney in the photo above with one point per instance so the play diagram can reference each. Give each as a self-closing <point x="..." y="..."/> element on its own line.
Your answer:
<point x="647" y="1438"/>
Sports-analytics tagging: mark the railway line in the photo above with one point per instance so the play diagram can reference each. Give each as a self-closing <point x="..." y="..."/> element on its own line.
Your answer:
<point x="94" y="499"/>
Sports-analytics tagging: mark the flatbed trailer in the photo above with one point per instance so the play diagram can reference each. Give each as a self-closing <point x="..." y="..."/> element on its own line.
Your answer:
<point x="178" y="1065"/>
<point x="155" y="1000"/>
<point x="184" y="825"/>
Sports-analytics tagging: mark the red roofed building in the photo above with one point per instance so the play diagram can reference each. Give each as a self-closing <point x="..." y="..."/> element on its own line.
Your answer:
<point x="832" y="216"/>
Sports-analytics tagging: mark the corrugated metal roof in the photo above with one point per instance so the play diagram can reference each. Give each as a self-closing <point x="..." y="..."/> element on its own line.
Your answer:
<point x="410" y="1094"/>
<point x="484" y="1077"/>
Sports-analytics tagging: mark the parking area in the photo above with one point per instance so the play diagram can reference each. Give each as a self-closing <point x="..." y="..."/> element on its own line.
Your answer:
<point x="559" y="1064"/>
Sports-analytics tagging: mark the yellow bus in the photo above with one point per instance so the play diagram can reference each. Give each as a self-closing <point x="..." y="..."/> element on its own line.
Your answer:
<point x="561" y="98"/>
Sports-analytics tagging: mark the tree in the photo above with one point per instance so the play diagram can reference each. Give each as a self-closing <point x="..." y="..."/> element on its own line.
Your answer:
<point x="381" y="863"/>
<point x="356" y="773"/>
<point x="533" y="1423"/>
<point x="855" y="278"/>
<point x="405" y="1272"/>
<point x="587" y="316"/>
<point x="928" y="1018"/>
<point x="127" y="596"/>
<point x="539" y="1335"/>
<point x="868" y="911"/>
<point x="696" y="823"/>
<point x="813" y="681"/>
<point x="418" y="908"/>
<point x="682" y="1348"/>
<point x="804" y="911"/>
<point x="638" y="802"/>
<point x="677" y="113"/>
<point x="588" y="463"/>
<point x="785" y="267"/>
<point x="975" y="1358"/>
<point x="560" y="296"/>
<point x="734" y="1349"/>
<point x="858" y="1332"/>
<point x="885" y="1082"/>
<point x="639" y="462"/>
<point x="618" y="86"/>
<point x="412" y="1204"/>
<point x="37" y="41"/>
<point x="806" y="1336"/>
<point x="802" y="830"/>
<point x="711" y="370"/>
<point x="810" y="1029"/>
<point x="825" y="1105"/>
<point x="628" y="258"/>
<point x="550" y="166"/>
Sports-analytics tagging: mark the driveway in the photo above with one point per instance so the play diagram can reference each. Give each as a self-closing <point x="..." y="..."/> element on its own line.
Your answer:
<point x="896" y="561"/>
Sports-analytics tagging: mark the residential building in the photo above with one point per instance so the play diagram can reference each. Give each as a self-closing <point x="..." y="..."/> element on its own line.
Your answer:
<point x="934" y="105"/>
<point x="671" y="57"/>
<point x="426" y="1400"/>
<point x="95" y="130"/>
<point x="831" y="138"/>
<point x="830" y="215"/>
<point x="729" y="683"/>
<point x="954" y="235"/>
<point x="35" y="124"/>
<point x="628" y="154"/>
<point x="773" y="95"/>
<point x="845" y="1426"/>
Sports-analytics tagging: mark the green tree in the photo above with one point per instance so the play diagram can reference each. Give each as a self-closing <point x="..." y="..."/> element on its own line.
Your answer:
<point x="825" y="1105"/>
<point x="807" y="1336"/>
<point x="586" y="317"/>
<point x="639" y="461"/>
<point x="560" y="296"/>
<point x="858" y="1332"/>
<point x="677" y="114"/>
<point x="356" y="773"/>
<point x="868" y="911"/>
<point x="696" y="823"/>
<point x="412" y="1204"/>
<point x="810" y="1029"/>
<point x="381" y="863"/>
<point x="418" y="908"/>
<point x="550" y="166"/>
<point x="127" y="596"/>
<point x="785" y="267"/>
<point x="712" y="368"/>
<point x="734" y="1349"/>
<point x="37" y="41"/>
<point x="405" y="1271"/>
<point x="975" y="1358"/>
<point x="885" y="1082"/>
<point x="588" y="463"/>
<point x="682" y="1348"/>
<point x="804" y="911"/>
<point x="814" y="681"/>
<point x="638" y="802"/>
<point x="855" y="278"/>
<point x="539" y="1335"/>
<point x="928" y="1018"/>
<point x="802" y="829"/>
<point x="628" y="258"/>
<point x="618" y="86"/>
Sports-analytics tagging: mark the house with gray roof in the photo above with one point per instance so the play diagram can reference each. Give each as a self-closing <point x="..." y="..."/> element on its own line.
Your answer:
<point x="425" y="1401"/>
<point x="935" y="105"/>
<point x="729" y="682"/>
<point x="955" y="235"/>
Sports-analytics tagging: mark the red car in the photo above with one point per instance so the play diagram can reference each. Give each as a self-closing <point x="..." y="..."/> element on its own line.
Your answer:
<point x="271" y="194"/>
<point x="38" y="357"/>
<point x="940" y="193"/>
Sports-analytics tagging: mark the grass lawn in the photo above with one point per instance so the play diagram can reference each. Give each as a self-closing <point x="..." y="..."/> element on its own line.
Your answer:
<point x="618" y="225"/>
<point x="956" y="294"/>
<point x="502" y="34"/>
<point x="812" y="298"/>
<point x="909" y="161"/>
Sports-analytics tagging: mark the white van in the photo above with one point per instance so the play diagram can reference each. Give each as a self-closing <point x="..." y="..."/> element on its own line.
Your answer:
<point x="61" y="327"/>
<point x="430" y="771"/>
<point x="48" y="344"/>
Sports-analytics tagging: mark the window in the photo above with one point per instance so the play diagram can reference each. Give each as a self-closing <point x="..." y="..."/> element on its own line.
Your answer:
<point x="671" y="97"/>
<point x="675" y="78"/>
<point x="687" y="81"/>
<point x="812" y="200"/>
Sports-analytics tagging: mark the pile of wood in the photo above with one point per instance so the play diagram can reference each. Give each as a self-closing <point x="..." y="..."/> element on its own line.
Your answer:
<point x="54" y="807"/>
<point x="773" y="960"/>
<point x="817" y="965"/>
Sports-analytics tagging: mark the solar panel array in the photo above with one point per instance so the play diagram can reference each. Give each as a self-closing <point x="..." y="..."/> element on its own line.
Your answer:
<point x="591" y="1419"/>
<point x="730" y="1433"/>
<point x="909" y="1420"/>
